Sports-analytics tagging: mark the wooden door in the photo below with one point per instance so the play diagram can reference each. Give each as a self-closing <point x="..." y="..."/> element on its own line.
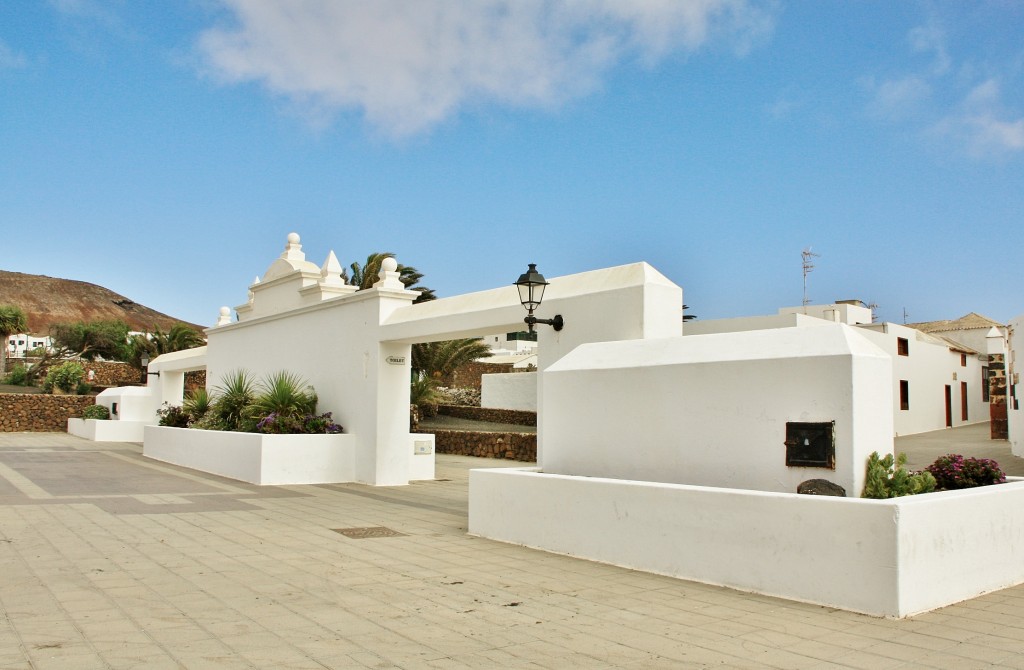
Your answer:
<point x="949" y="406"/>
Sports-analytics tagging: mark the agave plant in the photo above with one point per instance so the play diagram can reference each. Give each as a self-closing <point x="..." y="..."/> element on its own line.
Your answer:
<point x="197" y="403"/>
<point x="234" y="399"/>
<point x="284" y="394"/>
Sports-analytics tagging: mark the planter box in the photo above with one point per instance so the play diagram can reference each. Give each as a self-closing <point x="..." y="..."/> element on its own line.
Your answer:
<point x="891" y="558"/>
<point x="107" y="430"/>
<point x="254" y="457"/>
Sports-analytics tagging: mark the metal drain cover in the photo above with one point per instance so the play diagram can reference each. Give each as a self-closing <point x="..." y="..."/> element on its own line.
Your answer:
<point x="364" y="533"/>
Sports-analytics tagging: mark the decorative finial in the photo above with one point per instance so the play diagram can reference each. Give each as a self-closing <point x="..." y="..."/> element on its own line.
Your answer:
<point x="225" y="316"/>
<point x="388" y="275"/>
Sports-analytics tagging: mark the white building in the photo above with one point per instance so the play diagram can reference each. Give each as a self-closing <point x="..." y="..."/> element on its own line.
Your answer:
<point x="518" y="348"/>
<point x="20" y="344"/>
<point x="940" y="369"/>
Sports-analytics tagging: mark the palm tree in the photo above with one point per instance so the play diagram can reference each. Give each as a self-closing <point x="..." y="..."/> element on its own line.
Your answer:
<point x="12" y="321"/>
<point x="440" y="359"/>
<point x="178" y="338"/>
<point x="365" y="276"/>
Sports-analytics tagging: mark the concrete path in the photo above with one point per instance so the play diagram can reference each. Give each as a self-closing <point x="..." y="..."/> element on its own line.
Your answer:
<point x="108" y="560"/>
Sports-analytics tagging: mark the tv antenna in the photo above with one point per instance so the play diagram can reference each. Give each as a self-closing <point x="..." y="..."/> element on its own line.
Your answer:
<point x="807" y="255"/>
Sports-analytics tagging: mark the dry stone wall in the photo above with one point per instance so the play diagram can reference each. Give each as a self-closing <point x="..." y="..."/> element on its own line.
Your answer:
<point x="38" y="412"/>
<point x="468" y="375"/>
<point x="510" y="446"/>
<point x="513" y="416"/>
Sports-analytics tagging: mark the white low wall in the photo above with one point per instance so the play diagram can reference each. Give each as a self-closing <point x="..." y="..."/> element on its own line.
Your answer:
<point x="889" y="558"/>
<point x="514" y="390"/>
<point x="254" y="457"/>
<point x="106" y="430"/>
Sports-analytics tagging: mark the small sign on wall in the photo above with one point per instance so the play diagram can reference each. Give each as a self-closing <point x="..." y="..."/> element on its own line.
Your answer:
<point x="395" y="360"/>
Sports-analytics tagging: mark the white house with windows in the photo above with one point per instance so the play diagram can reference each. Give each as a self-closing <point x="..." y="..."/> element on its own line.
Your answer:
<point x="940" y="369"/>
<point x="21" y="344"/>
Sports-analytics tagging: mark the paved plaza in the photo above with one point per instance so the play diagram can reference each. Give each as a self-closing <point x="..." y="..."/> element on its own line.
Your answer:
<point x="110" y="560"/>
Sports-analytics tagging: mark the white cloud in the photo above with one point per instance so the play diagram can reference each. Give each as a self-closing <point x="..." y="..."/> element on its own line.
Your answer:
<point x="896" y="98"/>
<point x="10" y="59"/>
<point x="408" y="65"/>
<point x="982" y="124"/>
<point x="955" y="108"/>
<point x="931" y="38"/>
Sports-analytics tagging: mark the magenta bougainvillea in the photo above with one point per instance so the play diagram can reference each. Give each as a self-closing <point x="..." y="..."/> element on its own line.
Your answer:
<point x="953" y="471"/>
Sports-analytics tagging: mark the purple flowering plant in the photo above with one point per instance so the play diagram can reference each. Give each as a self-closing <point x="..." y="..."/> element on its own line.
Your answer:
<point x="306" y="424"/>
<point x="953" y="471"/>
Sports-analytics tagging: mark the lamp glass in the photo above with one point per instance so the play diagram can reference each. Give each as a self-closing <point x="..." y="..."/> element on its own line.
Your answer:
<point x="531" y="285"/>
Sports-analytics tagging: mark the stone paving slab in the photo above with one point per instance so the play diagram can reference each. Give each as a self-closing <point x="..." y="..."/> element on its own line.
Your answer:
<point x="110" y="560"/>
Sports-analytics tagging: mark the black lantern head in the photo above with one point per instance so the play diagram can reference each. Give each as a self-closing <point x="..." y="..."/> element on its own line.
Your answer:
<point x="531" y="285"/>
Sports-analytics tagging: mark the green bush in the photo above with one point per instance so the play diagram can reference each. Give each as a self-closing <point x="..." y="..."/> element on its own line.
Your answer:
<point x="65" y="376"/>
<point x="887" y="478"/>
<point x="197" y="404"/>
<point x="96" y="412"/>
<point x="172" y="416"/>
<point x="280" y="403"/>
<point x="18" y="376"/>
<point x="423" y="393"/>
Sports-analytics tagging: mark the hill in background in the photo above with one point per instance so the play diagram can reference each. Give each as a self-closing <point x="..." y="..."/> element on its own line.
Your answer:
<point x="48" y="300"/>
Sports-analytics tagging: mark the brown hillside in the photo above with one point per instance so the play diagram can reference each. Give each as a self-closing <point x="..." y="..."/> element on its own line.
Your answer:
<point x="48" y="300"/>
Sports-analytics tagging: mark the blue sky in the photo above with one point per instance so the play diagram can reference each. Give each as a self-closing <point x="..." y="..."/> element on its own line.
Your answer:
<point x="165" y="150"/>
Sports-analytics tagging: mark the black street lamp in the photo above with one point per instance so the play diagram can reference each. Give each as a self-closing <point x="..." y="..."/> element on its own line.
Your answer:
<point x="144" y="362"/>
<point x="531" y="287"/>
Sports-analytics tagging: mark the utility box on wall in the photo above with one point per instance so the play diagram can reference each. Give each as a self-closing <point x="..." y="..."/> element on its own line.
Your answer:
<point x="811" y="444"/>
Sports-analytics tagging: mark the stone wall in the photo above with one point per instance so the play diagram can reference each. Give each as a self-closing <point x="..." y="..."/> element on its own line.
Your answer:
<point x="511" y="446"/>
<point x="468" y="375"/>
<point x="111" y="374"/>
<point x="513" y="416"/>
<point x="40" y="412"/>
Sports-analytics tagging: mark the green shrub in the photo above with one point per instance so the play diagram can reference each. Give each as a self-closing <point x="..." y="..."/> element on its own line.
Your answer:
<point x="423" y="393"/>
<point x="65" y="376"/>
<point x="280" y="403"/>
<point x="96" y="412"/>
<point x="18" y="376"/>
<point x="887" y="478"/>
<point x="285" y="395"/>
<point x="197" y="404"/>
<point x="172" y="416"/>
<point x="232" y="404"/>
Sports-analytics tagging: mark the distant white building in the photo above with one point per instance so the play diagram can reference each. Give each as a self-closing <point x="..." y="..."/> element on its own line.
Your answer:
<point x="519" y="349"/>
<point x="940" y="369"/>
<point x="20" y="344"/>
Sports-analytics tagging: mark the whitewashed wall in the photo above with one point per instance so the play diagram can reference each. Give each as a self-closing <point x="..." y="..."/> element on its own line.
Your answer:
<point x="1014" y="367"/>
<point x="929" y="368"/>
<point x="517" y="390"/>
<point x="892" y="558"/>
<point x="711" y="410"/>
<point x="742" y="323"/>
<point x="356" y="346"/>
